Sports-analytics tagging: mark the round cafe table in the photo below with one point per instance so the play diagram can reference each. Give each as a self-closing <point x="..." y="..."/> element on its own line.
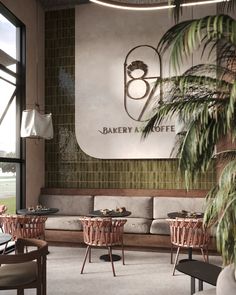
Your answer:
<point x="39" y="212"/>
<point x="174" y="215"/>
<point x="111" y="214"/>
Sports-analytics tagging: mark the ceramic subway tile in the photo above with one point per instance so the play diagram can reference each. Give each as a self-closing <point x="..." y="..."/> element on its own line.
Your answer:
<point x="84" y="171"/>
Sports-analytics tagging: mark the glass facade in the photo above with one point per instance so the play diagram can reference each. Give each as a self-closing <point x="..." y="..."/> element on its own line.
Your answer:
<point x="11" y="102"/>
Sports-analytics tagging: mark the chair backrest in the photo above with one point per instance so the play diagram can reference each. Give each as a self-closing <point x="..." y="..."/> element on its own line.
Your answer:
<point x="188" y="232"/>
<point x="25" y="277"/>
<point x="20" y="226"/>
<point x="103" y="231"/>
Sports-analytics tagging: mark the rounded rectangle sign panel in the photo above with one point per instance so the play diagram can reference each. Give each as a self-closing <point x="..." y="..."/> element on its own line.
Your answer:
<point x="117" y="82"/>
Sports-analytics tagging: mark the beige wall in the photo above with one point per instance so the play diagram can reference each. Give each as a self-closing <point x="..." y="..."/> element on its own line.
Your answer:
<point x="28" y="11"/>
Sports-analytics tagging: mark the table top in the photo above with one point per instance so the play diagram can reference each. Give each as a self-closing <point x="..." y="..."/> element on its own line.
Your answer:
<point x="200" y="270"/>
<point x="5" y="238"/>
<point x="112" y="213"/>
<point x="42" y="211"/>
<point x="185" y="214"/>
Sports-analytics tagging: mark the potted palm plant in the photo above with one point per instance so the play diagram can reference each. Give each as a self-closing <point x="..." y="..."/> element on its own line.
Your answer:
<point x="204" y="99"/>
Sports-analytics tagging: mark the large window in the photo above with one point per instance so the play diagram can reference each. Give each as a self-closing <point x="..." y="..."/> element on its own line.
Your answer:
<point x="12" y="101"/>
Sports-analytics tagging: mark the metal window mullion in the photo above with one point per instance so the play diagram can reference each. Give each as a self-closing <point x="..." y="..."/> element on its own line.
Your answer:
<point x="11" y="160"/>
<point x="14" y="84"/>
<point x="8" y="106"/>
<point x="6" y="70"/>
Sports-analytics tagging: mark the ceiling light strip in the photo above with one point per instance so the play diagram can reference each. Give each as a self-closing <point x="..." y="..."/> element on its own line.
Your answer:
<point x="150" y="6"/>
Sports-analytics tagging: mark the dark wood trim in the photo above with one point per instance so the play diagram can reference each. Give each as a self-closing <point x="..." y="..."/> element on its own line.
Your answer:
<point x="130" y="240"/>
<point x="125" y="192"/>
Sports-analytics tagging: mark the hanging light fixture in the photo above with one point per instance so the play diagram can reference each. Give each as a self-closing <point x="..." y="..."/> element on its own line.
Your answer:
<point x="150" y="4"/>
<point x="34" y="124"/>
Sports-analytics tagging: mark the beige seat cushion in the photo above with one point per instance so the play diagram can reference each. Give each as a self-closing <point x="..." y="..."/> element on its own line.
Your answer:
<point x="137" y="225"/>
<point x="12" y="275"/>
<point x="160" y="227"/>
<point x="63" y="222"/>
<point x="139" y="206"/>
<point x="163" y="205"/>
<point x="68" y="205"/>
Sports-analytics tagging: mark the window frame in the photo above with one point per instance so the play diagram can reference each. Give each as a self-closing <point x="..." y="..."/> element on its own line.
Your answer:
<point x="20" y="105"/>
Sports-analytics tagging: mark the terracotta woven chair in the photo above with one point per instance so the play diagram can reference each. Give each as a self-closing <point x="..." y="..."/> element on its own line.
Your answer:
<point x="20" y="226"/>
<point x="25" y="270"/>
<point x="102" y="232"/>
<point x="188" y="233"/>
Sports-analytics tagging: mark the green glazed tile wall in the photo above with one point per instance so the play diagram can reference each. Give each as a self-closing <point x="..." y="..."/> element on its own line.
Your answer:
<point x="66" y="165"/>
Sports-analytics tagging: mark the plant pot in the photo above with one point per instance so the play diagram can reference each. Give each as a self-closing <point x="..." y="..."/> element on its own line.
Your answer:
<point x="226" y="282"/>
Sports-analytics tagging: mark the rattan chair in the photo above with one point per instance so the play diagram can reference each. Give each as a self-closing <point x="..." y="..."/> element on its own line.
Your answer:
<point x="25" y="270"/>
<point x="188" y="233"/>
<point x="20" y="226"/>
<point x="103" y="232"/>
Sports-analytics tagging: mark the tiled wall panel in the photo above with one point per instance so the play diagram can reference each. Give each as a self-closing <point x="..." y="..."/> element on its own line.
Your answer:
<point x="66" y="164"/>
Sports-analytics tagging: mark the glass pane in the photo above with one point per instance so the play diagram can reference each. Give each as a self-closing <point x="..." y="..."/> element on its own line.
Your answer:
<point x="6" y="93"/>
<point x="8" y="186"/>
<point x="8" y="131"/>
<point x="7" y="78"/>
<point x="8" y="36"/>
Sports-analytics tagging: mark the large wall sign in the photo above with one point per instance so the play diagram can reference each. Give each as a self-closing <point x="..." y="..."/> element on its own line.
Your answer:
<point x="116" y="69"/>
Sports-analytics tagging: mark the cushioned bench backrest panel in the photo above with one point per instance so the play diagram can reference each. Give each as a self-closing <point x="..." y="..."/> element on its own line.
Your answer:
<point x="164" y="205"/>
<point x="68" y="205"/>
<point x="140" y="207"/>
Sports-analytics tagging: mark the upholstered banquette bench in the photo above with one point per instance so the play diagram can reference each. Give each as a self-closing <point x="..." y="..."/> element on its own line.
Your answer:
<point x="146" y="226"/>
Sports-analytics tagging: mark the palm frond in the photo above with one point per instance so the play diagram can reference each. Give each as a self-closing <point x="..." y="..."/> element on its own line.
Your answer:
<point x="184" y="38"/>
<point x="220" y="213"/>
<point x="211" y="214"/>
<point x="225" y="156"/>
<point x="220" y="210"/>
<point x="204" y="97"/>
<point x="177" y="10"/>
<point x="228" y="176"/>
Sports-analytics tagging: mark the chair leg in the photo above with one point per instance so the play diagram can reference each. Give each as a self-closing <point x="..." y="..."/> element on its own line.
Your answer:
<point x="90" y="259"/>
<point x="205" y="255"/>
<point x="85" y="257"/>
<point x="176" y="260"/>
<point x="123" y="253"/>
<point x="44" y="277"/>
<point x="112" y="264"/>
<point x="171" y="254"/>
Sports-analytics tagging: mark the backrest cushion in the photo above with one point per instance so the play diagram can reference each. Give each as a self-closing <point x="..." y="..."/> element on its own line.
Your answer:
<point x="140" y="207"/>
<point x="164" y="205"/>
<point x="68" y="204"/>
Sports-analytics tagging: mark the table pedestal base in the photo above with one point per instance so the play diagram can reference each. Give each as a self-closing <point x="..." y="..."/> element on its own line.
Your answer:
<point x="106" y="257"/>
